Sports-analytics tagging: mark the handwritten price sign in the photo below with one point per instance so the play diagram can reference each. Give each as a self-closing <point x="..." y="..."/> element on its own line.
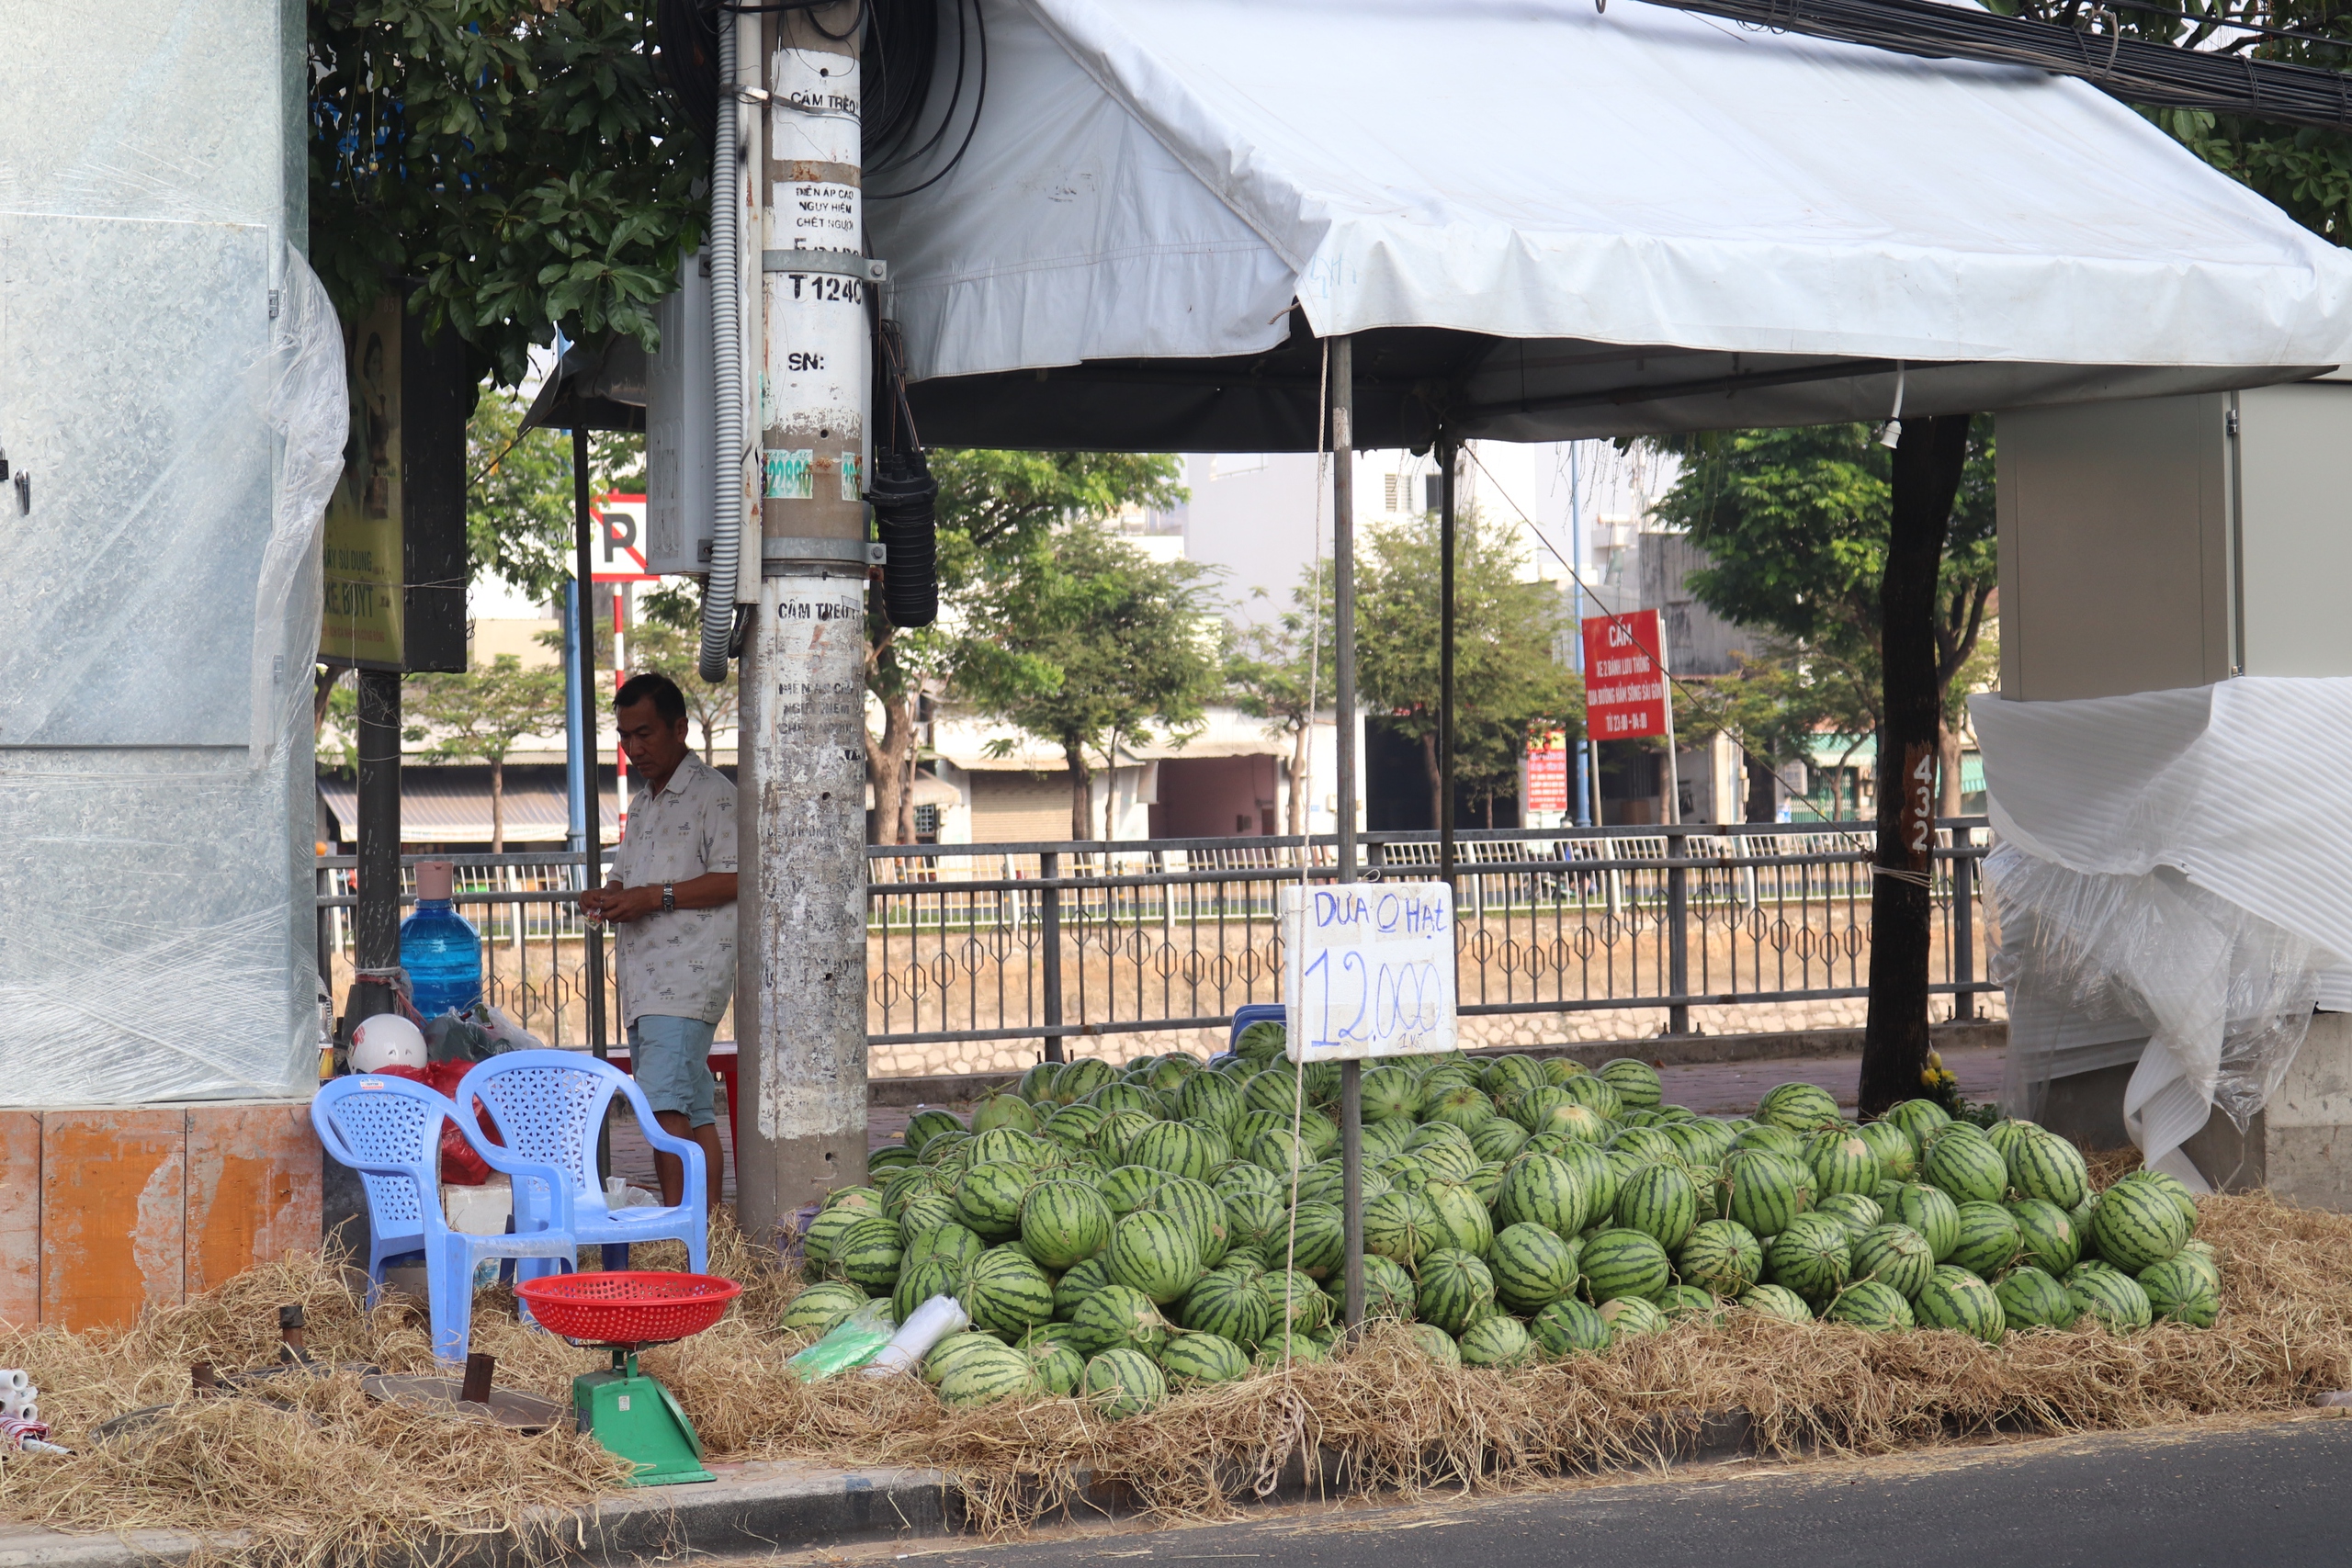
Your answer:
<point x="1370" y="970"/>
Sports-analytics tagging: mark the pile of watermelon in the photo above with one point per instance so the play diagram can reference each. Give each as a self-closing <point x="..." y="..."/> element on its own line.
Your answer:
<point x="1115" y="1231"/>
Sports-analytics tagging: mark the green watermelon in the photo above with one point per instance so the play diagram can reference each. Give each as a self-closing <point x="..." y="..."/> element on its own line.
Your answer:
<point x="1660" y="1202"/>
<point x="1811" y="1257"/>
<point x="2137" y="1225"/>
<point x="1064" y="1223"/>
<point x="1450" y="1162"/>
<point x="1210" y="1097"/>
<point x="1931" y="1213"/>
<point x="888" y="1162"/>
<point x="1463" y="1220"/>
<point x="987" y="1373"/>
<point x="1118" y="1317"/>
<point x="1542" y="1189"/>
<point x="1497" y="1341"/>
<point x="925" y="1125"/>
<point x="1762" y="1191"/>
<point x="1595" y="1095"/>
<point x="1153" y="1253"/>
<point x="1123" y="1383"/>
<point x="1721" y="1257"/>
<point x="1228" y="1305"/>
<point x="2047" y="1234"/>
<point x="943" y="1356"/>
<point x="1196" y="1204"/>
<point x="1435" y="1343"/>
<point x="1036" y="1085"/>
<point x="1504" y="1076"/>
<point x="1568" y="1327"/>
<point x="1006" y="1293"/>
<point x="918" y="1282"/>
<point x="1080" y="1078"/>
<point x="2179" y="1290"/>
<point x="1279" y="1150"/>
<point x="824" y="1231"/>
<point x="1687" y="1300"/>
<point x="1073" y="1127"/>
<point x="1777" y="1301"/>
<point x="1177" y="1147"/>
<point x="1498" y="1140"/>
<point x="945" y="1149"/>
<point x="1400" y="1225"/>
<point x="987" y="1198"/>
<point x="1841" y="1162"/>
<point x="1008" y="1144"/>
<point x="2043" y="1164"/>
<point x="1956" y="1299"/>
<point x="1532" y="1267"/>
<point x="1853" y="1211"/>
<point x="1636" y="1083"/>
<point x="1128" y="1188"/>
<point x="1970" y="1170"/>
<point x="2173" y="1186"/>
<point x="2115" y="1299"/>
<point x="929" y="1213"/>
<point x="1897" y="1156"/>
<point x="1293" y="1300"/>
<point x="1988" y="1240"/>
<point x="1053" y="1362"/>
<point x="1191" y="1360"/>
<point x="2031" y="1298"/>
<point x="1003" y="1109"/>
<point x="1317" y="1240"/>
<point x="1629" y="1315"/>
<point x="1262" y="1042"/>
<point x="1276" y="1089"/>
<point x="869" y="1254"/>
<point x="1388" y="1291"/>
<point x="1872" y="1304"/>
<point x="1772" y="1140"/>
<point x="1253" y="1218"/>
<point x="1618" y="1263"/>
<point x="1919" y="1118"/>
<point x="1082" y="1280"/>
<point x="1456" y="1288"/>
<point x="816" y="1309"/>
<point x="1896" y="1256"/>
<point x="1801" y="1108"/>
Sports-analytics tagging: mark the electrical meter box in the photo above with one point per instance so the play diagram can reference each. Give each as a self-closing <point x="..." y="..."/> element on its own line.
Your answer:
<point x="679" y="410"/>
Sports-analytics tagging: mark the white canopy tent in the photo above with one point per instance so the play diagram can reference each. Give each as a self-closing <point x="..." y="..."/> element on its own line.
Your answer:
<point x="1544" y="221"/>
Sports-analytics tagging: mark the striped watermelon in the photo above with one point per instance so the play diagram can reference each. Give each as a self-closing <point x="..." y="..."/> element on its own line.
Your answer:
<point x="1007" y="1293"/>
<point x="2137" y="1225"/>
<point x="1276" y="1089"/>
<point x="1388" y="1291"/>
<point x="1595" y="1094"/>
<point x="862" y="1198"/>
<point x="1228" y="1305"/>
<point x="1122" y="1382"/>
<point x="1196" y="1204"/>
<point x="945" y="1149"/>
<point x="1113" y="1098"/>
<point x="1540" y="1109"/>
<point x="1498" y="1140"/>
<point x="1382" y="1139"/>
<point x="1841" y="1162"/>
<point x="1988" y="1240"/>
<point x="1687" y="1300"/>
<point x="1505" y="1077"/>
<point x="2201" y="1255"/>
<point x="1542" y="1189"/>
<point x="1118" y="1317"/>
<point x="1053" y="1362"/>
<point x="1293" y="1298"/>
<point x="1487" y="1182"/>
<point x="1193" y="1360"/>
<point x="1853" y="1211"/>
<point x="918" y="1282"/>
<point x="1970" y="1170"/>
<point x="1080" y="1078"/>
<point x="1082" y="1282"/>
<point x="1636" y="1083"/>
<point x="2031" y="1298"/>
<point x="1800" y="1107"/>
<point x="1532" y="1267"/>
<point x="1400" y="1225"/>
<point x="1772" y="1140"/>
<point x="1918" y="1118"/>
<point x="986" y="1373"/>
<point x="1129" y="1187"/>
<point x="1317" y="1240"/>
<point x="887" y="1162"/>
<point x="1896" y="1256"/>
<point x="1619" y="1263"/>
<point x="927" y="1214"/>
<point x="1762" y="1191"/>
<point x="1253" y="1218"/>
<point x="1560" y="1070"/>
<point x="1153" y="1253"/>
<point x="1956" y="1299"/>
<point x="1777" y="1301"/>
<point x="1064" y="1223"/>
<point x="1327" y="1182"/>
<point x="1242" y="1176"/>
<point x="1289" y="1348"/>
<point x="1647" y="1144"/>
<point x="1003" y="1109"/>
<point x="2047" y="1234"/>
<point x="1568" y="1327"/>
<point x="825" y="1230"/>
<point x="1463" y="1220"/>
<point x="1072" y="1127"/>
<point x="987" y="1198"/>
<point x="1249" y="1123"/>
<point x="1721" y="1257"/>
<point x="1403" y="1171"/>
<point x="1497" y="1341"/>
<point x="1931" y="1213"/>
<point x="1460" y="1107"/>
<point x="1630" y="1315"/>
<point x="2174" y="1187"/>
<point x="1117" y="1133"/>
<point x="2107" y="1294"/>
<point x="943" y="1356"/>
<point x="1449" y="1161"/>
<point x="2179" y="1292"/>
<point x="1811" y="1256"/>
<point x="869" y="1254"/>
<point x="1212" y="1098"/>
<point x="1320" y="1136"/>
<point x="925" y="1125"/>
<point x="1897" y="1156"/>
<point x="1390" y="1093"/>
<point x="1007" y="1143"/>
<point x="1871" y="1305"/>
<point x="2043" y="1164"/>
<point x="816" y="1309"/>
<point x="1279" y="1150"/>
<point x="1660" y="1202"/>
<point x="1456" y="1289"/>
<point x="1036" y="1085"/>
<point x="1434" y="1343"/>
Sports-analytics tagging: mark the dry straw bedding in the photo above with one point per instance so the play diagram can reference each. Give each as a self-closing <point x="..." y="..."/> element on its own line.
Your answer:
<point x="337" y="1476"/>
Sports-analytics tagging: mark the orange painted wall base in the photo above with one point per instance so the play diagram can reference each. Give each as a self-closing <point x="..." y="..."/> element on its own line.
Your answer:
<point x="104" y="1212"/>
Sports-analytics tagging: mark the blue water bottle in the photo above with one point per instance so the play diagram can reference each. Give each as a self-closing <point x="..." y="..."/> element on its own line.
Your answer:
<point x="440" y="947"/>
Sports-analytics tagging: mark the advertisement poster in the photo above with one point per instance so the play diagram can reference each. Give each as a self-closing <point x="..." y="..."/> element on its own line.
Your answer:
<point x="364" y="619"/>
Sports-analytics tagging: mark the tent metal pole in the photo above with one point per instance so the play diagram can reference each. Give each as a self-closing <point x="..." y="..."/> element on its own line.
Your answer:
<point x="1344" y="637"/>
<point x="1446" y="457"/>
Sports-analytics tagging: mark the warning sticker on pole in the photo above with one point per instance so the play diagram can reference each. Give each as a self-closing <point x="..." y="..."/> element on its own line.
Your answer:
<point x="1369" y="970"/>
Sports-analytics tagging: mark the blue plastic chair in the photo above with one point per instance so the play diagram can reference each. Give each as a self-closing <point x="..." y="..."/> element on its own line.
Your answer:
<point x="547" y="1106"/>
<point x="1254" y="1012"/>
<point x="388" y="1130"/>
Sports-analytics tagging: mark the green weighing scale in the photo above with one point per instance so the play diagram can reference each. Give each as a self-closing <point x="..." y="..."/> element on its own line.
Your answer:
<point x="631" y="1414"/>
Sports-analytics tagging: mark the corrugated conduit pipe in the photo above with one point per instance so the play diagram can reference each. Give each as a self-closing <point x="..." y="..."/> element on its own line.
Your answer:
<point x="727" y="367"/>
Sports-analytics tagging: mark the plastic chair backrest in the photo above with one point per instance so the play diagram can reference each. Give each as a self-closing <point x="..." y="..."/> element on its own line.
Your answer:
<point x="383" y="1121"/>
<point x="547" y="1106"/>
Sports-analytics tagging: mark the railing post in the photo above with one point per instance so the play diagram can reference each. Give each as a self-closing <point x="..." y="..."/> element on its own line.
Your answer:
<point x="1678" y="932"/>
<point x="1049" y="940"/>
<point x="1964" y="925"/>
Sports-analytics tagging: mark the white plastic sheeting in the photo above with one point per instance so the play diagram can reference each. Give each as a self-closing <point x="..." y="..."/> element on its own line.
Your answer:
<point x="2164" y="871"/>
<point x="1161" y="181"/>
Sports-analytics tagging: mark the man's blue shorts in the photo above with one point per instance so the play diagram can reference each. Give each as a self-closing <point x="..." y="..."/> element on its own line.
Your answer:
<point x="670" y="1060"/>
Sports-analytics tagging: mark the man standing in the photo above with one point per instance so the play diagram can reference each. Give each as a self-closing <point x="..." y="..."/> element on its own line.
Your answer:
<point x="673" y="897"/>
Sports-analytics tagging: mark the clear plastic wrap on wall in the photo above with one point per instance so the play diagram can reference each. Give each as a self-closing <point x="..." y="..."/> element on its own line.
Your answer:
<point x="155" y="793"/>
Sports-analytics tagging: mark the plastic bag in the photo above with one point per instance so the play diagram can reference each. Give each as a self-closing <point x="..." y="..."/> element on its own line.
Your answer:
<point x="925" y="1326"/>
<point x="511" y="1035"/>
<point x="854" y="1341"/>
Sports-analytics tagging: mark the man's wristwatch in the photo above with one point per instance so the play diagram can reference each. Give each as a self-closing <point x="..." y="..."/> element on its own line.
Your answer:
<point x="669" y="898"/>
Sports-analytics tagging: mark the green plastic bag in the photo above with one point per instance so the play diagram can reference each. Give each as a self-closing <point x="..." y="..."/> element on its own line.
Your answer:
<point x="854" y="1341"/>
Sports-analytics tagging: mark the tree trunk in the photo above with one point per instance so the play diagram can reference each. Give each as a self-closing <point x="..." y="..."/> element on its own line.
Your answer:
<point x="498" y="806"/>
<point x="1895" y="1043"/>
<point x="907" y="795"/>
<point x="1436" y="781"/>
<point x="1760" y="804"/>
<point x="1301" y="740"/>
<point x="1081" y="780"/>
<point x="1946" y="770"/>
<point x="886" y="767"/>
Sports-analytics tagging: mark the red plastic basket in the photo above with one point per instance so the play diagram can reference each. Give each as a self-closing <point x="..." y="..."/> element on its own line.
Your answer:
<point x="627" y="1308"/>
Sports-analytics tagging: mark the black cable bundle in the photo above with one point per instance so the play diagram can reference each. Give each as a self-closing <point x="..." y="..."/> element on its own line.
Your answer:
<point x="905" y="496"/>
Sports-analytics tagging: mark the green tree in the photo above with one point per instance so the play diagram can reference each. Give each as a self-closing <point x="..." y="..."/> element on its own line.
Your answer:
<point x="667" y="640"/>
<point x="479" y="715"/>
<point x="1509" y="688"/>
<point x="515" y="157"/>
<point x="1281" y="671"/>
<point x="993" y="506"/>
<point x="1085" y="642"/>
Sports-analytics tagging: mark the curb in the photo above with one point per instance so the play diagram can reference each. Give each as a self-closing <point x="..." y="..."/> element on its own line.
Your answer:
<point x="762" y="1508"/>
<point x="1664" y="1051"/>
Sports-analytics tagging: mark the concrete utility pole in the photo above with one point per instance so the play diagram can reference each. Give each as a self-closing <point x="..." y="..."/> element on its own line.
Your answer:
<point x="803" y="680"/>
<point x="376" y="912"/>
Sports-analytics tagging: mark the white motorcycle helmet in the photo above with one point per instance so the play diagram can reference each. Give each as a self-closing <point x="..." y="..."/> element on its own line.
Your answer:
<point x="387" y="1040"/>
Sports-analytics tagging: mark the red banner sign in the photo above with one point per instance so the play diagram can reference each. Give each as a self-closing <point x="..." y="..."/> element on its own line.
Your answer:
<point x="1547" y="774"/>
<point x="1624" y="691"/>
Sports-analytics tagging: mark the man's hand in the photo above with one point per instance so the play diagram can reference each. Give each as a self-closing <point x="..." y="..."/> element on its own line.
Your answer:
<point x="622" y="904"/>
<point x="594" y="902"/>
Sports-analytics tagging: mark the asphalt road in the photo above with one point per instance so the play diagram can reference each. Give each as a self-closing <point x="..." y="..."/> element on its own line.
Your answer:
<point x="2272" y="1498"/>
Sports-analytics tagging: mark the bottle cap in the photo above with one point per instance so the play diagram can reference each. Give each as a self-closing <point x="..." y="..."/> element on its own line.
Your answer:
<point x="435" y="878"/>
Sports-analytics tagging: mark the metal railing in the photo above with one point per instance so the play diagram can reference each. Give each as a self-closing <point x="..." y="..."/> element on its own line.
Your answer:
<point x="1045" y="940"/>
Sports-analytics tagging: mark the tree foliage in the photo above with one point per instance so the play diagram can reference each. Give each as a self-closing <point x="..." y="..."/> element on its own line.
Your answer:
<point x="1283" y="672"/>
<point x="1510" y="686"/>
<point x="1084" y="642"/>
<point x="515" y="157"/>
<point x="667" y="640"/>
<point x="479" y="716"/>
